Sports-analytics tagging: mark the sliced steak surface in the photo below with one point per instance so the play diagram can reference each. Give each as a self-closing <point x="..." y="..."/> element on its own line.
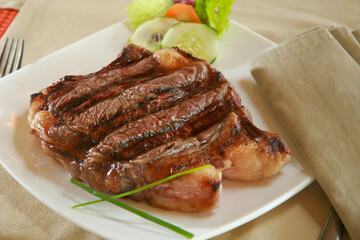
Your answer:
<point x="147" y="116"/>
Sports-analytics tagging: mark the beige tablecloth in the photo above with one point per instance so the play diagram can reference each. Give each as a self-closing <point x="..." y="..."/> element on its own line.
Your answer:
<point x="50" y="25"/>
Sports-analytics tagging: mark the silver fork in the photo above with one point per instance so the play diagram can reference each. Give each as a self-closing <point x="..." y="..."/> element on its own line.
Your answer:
<point x="11" y="56"/>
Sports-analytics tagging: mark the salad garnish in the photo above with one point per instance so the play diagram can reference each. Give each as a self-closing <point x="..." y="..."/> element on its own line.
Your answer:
<point x="214" y="13"/>
<point x="209" y="14"/>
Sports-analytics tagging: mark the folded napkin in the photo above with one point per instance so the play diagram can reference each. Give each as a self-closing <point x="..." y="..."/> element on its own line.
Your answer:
<point x="348" y="41"/>
<point x="313" y="83"/>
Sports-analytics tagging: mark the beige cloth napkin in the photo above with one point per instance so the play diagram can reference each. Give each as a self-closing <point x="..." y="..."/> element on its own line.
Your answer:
<point x="348" y="41"/>
<point x="313" y="84"/>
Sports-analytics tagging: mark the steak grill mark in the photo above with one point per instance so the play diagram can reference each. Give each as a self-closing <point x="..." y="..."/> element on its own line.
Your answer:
<point x="69" y="95"/>
<point x="137" y="101"/>
<point x="129" y="100"/>
<point x="183" y="120"/>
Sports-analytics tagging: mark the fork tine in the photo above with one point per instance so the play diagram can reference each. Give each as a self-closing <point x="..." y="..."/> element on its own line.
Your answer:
<point x="20" y="55"/>
<point x="2" y="51"/>
<point x="7" y="58"/>
<point x="13" y="55"/>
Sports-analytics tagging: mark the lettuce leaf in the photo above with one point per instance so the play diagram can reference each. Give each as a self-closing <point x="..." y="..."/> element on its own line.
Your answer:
<point x="140" y="11"/>
<point x="215" y="13"/>
<point x="200" y="9"/>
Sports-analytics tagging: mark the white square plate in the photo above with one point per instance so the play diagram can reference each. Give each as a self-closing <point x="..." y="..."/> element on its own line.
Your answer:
<point x="22" y="156"/>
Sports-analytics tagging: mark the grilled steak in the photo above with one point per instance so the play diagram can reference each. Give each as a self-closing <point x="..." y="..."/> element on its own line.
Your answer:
<point x="148" y="115"/>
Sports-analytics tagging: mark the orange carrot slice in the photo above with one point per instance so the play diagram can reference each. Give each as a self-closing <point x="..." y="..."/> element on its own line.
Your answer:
<point x="182" y="13"/>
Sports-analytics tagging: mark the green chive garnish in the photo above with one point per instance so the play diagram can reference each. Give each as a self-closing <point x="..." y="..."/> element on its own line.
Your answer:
<point x="147" y="216"/>
<point x="147" y="186"/>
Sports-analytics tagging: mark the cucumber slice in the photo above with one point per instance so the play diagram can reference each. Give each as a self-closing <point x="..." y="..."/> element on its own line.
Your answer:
<point x="198" y="39"/>
<point x="150" y="33"/>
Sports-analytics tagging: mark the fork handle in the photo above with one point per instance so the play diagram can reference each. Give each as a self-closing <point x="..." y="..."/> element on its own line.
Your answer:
<point x="333" y="227"/>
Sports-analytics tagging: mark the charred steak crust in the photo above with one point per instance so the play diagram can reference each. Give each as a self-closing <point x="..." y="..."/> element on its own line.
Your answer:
<point x="148" y="115"/>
